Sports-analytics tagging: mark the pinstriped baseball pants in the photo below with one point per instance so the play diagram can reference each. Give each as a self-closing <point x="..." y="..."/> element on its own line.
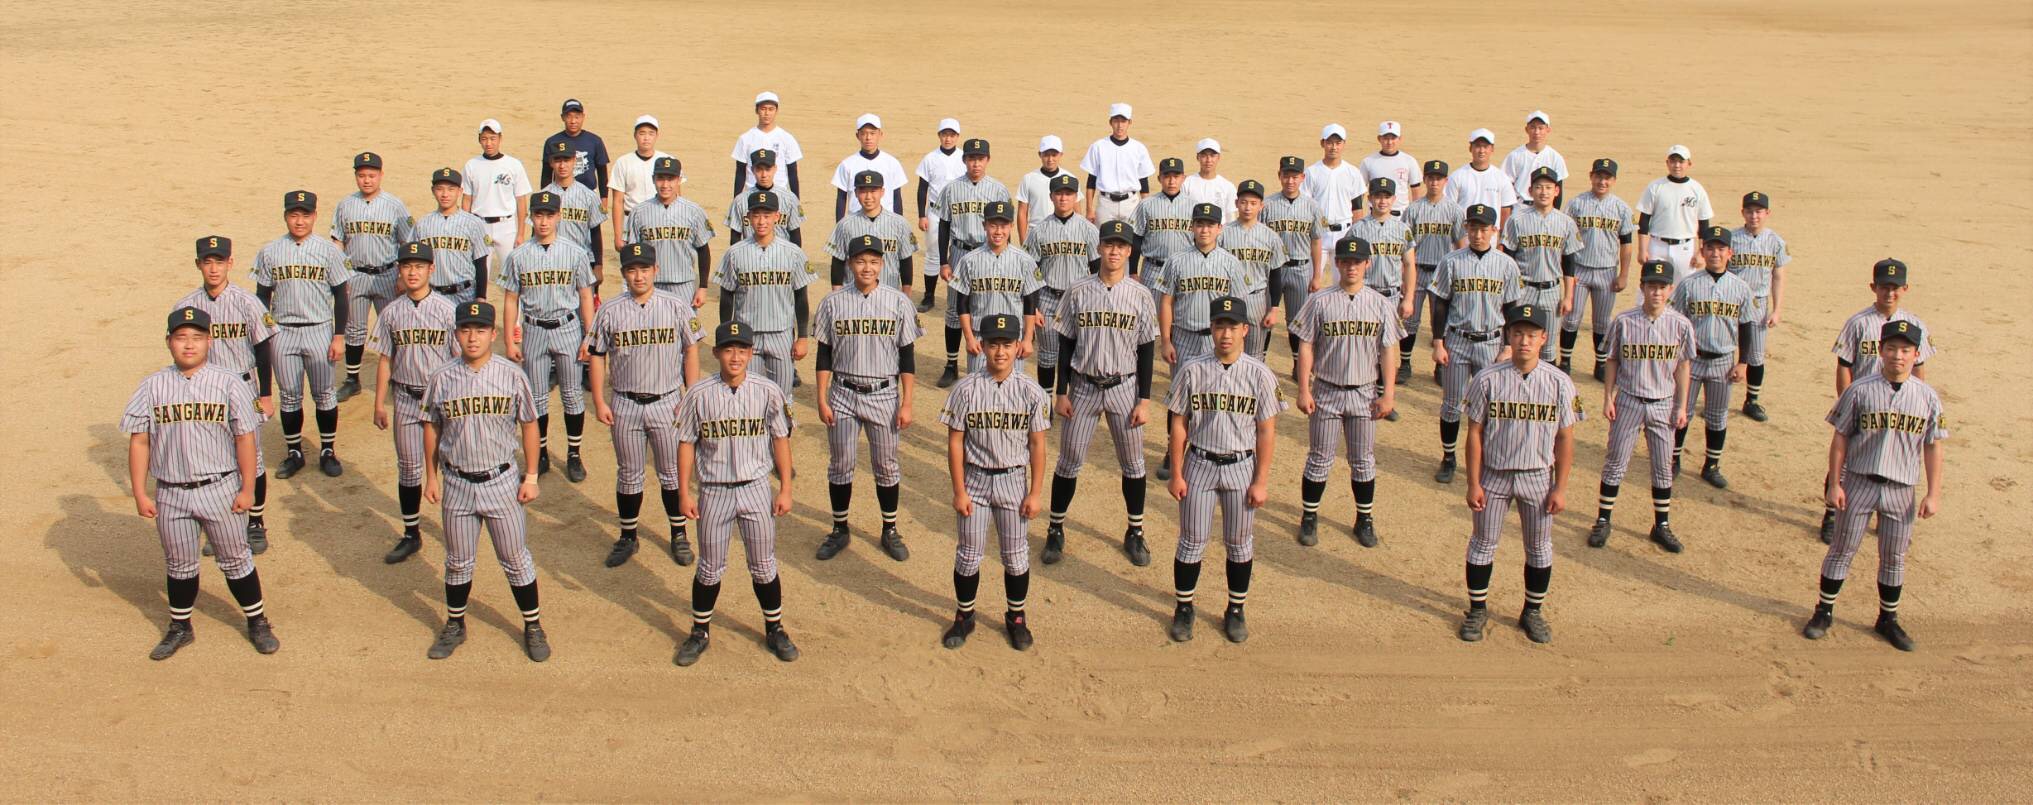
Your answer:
<point x="184" y="517"/>
<point x="1601" y="302"/>
<point x="1655" y="420"/>
<point x="409" y="437"/>
<point x="260" y="461"/>
<point x="1709" y="384"/>
<point x="1048" y="335"/>
<point x="638" y="430"/>
<point x="550" y="356"/>
<point x="366" y="293"/>
<point x="1464" y="359"/>
<point x="1090" y="405"/>
<point x="998" y="497"/>
<point x="1207" y="484"/>
<point x="467" y="506"/>
<point x="724" y="508"/>
<point x="773" y="349"/>
<point x="301" y="353"/>
<point x="1548" y="298"/>
<point x="1188" y="344"/>
<point x="1342" y="411"/>
<point x="1895" y="504"/>
<point x="1527" y="489"/>
<point x="854" y="413"/>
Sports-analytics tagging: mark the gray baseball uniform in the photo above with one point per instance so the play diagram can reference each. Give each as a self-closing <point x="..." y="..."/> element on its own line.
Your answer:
<point x="1222" y="405"/>
<point x="1857" y="345"/>
<point x="996" y="419"/>
<point x="1540" y="242"/>
<point x="1520" y="414"/>
<point x="1605" y="224"/>
<point x="644" y="345"/>
<point x="1888" y="426"/>
<point x="478" y="415"/>
<point x="302" y="275"/>
<point x="418" y="336"/>
<point x="962" y="203"/>
<point x="863" y="334"/>
<point x="1066" y="250"/>
<point x="1716" y="304"/>
<point x="1164" y="227"/>
<point x="1436" y="227"/>
<point x="1756" y="259"/>
<point x="789" y="216"/>
<point x="1476" y="288"/>
<point x="578" y="212"/>
<point x="899" y="243"/>
<point x="1298" y="223"/>
<point x="764" y="281"/>
<point x="675" y="231"/>
<point x="1191" y="282"/>
<point x="1389" y="238"/>
<point x="1106" y="324"/>
<point x="547" y="280"/>
<point x="458" y="242"/>
<point x="191" y="421"/>
<point x="986" y="283"/>
<point x="1648" y="353"/>
<point x="1349" y="332"/>
<point x="733" y="430"/>
<point x="1261" y="249"/>
<point x="241" y="324"/>
<point x="369" y="229"/>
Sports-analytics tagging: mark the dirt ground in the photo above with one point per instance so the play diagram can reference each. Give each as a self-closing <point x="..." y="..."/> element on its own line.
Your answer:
<point x="1880" y="128"/>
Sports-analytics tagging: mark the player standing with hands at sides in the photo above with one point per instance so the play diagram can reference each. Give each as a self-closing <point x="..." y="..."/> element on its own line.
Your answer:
<point x="1193" y="282"/>
<point x="1758" y="257"/>
<point x="1888" y="432"/>
<point x="496" y="188"/>
<point x="1390" y="163"/>
<point x="588" y="170"/>
<point x="1164" y="226"/>
<point x="962" y="228"/>
<point x="191" y="427"/>
<point x="888" y="228"/>
<point x="240" y="330"/>
<point x="677" y="233"/>
<point x="1856" y="346"/>
<point x="996" y="278"/>
<point x="1603" y="266"/>
<point x="1067" y="248"/>
<point x="868" y="133"/>
<point x="1223" y="405"/>
<point x="303" y="280"/>
<point x="762" y="284"/>
<point x="632" y="178"/>
<point x="1394" y="271"/>
<point x="1438" y="228"/>
<point x="941" y="165"/>
<point x="1480" y="181"/>
<point x="1336" y="185"/>
<point x="790" y="218"/>
<point x="1715" y="300"/>
<point x="1544" y="241"/>
<point x="478" y="410"/>
<point x="368" y="225"/>
<point x="647" y="344"/>
<point x="1118" y="170"/>
<point x="867" y="371"/>
<point x="1470" y="288"/>
<point x="1650" y="352"/>
<point x="1520" y="447"/>
<point x="1297" y="220"/>
<point x="581" y="211"/>
<point x="1534" y="154"/>
<point x="1209" y="186"/>
<point x="766" y="135"/>
<point x="1262" y="252"/>
<point x="458" y="240"/>
<point x="547" y="285"/>
<point x="1107" y="328"/>
<point x="995" y="449"/>
<point x="1672" y="212"/>
<point x="415" y="337"/>
<point x="1347" y="335"/>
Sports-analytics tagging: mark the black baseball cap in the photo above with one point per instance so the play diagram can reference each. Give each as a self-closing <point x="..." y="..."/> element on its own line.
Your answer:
<point x="1528" y="313"/>
<point x="367" y="159"/>
<point x="998" y="211"/>
<point x="733" y="332"/>
<point x="1206" y="212"/>
<point x="1658" y="271"/>
<point x="667" y="166"/>
<point x="1548" y="174"/>
<point x="1890" y="269"/>
<point x="975" y="147"/>
<point x="478" y="311"/>
<point x="1001" y="326"/>
<point x="1604" y="166"/>
<point x="561" y="149"/>
<point x="215" y="246"/>
<point x="1480" y="214"/>
<point x="1383" y="186"/>
<point x="300" y="200"/>
<point x="445" y="176"/>
<point x="415" y="251"/>
<point x="1715" y="234"/>
<point x="1436" y="167"/>
<point x="864" y="245"/>
<point x="1757" y="199"/>
<point x="1119" y="231"/>
<point x="572" y="105"/>
<point x="763" y="200"/>
<point x="1066" y="182"/>
<point x="1171" y="165"/>
<point x="544" y="201"/>
<point x="762" y="158"/>
<point x="188" y="316"/>
<point x="1352" y="248"/>
<point x="1250" y="187"/>
<point x="867" y="179"/>
<point x="636" y="254"/>
<point x="1291" y="165"/>
<point x="1903" y="329"/>
<point x="1228" y="308"/>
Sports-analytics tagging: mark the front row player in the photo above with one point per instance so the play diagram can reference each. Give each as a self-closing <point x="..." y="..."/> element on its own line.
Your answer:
<point x="1888" y="432"/>
<point x="416" y="337"/>
<point x="732" y="429"/>
<point x="1856" y="347"/>
<point x="1648" y="355"/>
<point x="995" y="449"/>
<point x="1347" y="334"/>
<point x="1222" y="434"/>
<point x="867" y="369"/>
<point x="478" y="410"/>
<point x="647" y="341"/>
<point x="191" y="427"/>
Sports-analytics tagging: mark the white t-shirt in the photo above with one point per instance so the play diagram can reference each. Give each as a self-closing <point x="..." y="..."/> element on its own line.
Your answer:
<point x="494" y="185"/>
<point x="936" y="169"/>
<point x="1335" y="190"/>
<point x="1677" y="208"/>
<point x="1400" y="167"/>
<point x="1467" y="186"/>
<point x="1035" y="190"/>
<point x="1521" y="162"/>
<point x="893" y="176"/>
<point x="1118" y="168"/>
<point x="1218" y="191"/>
<point x="631" y="176"/>
<point x="777" y="139"/>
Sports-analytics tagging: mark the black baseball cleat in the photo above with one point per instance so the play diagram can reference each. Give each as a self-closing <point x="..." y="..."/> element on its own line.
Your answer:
<point x="177" y="636"/>
<point x="1233" y="626"/>
<point x="1565" y="366"/>
<point x="262" y="635"/>
<point x="1756" y="411"/>
<point x="1164" y="468"/>
<point x="1055" y="544"/>
<point x="1392" y="416"/>
<point x="1019" y="632"/>
<point x="449" y="637"/>
<point x="1133" y="546"/>
<point x="1888" y="628"/>
<point x="835" y="542"/>
<point x="779" y="643"/>
<point x="1182" y="624"/>
<point x="1445" y="475"/>
<point x="328" y="463"/>
<point x="681" y="550"/>
<point x="1663" y="535"/>
<point x="1676" y="466"/>
<point x="1598" y="534"/>
<point x="950" y="376"/>
<point x="1473" y="624"/>
<point x="1404" y="372"/>
<point x="207" y="549"/>
<point x="623" y="548"/>
<point x="404" y="549"/>
<point x="1309" y="529"/>
<point x="1817" y="626"/>
<point x="1535" y="626"/>
<point x="924" y="306"/>
<point x="257" y="539"/>
<point x="543" y="462"/>
<point x="893" y="544"/>
<point x="350" y="388"/>
<point x="1712" y="473"/>
<point x="797" y="380"/>
<point x="534" y="643"/>
<point x="695" y="645"/>
<point x="1436" y="375"/>
<point x="956" y="635"/>
<point x="1365" y="531"/>
<point x="1827" y="527"/>
<point x="291" y="465"/>
<point x="575" y="469"/>
<point x="1600" y="371"/>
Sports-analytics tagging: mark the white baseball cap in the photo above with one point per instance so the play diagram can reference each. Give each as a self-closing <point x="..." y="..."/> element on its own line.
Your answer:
<point x="766" y="97"/>
<point x="490" y="124"/>
<point x="646" y="120"/>
<point x="1120" y="110"/>
<point x="1483" y="134"/>
<point x="867" y="120"/>
<point x="947" y="124"/>
<point x="1208" y="144"/>
<point x="1050" y="142"/>
<point x="1333" y="130"/>
<point x="1389" y="127"/>
<point x="1680" y="151"/>
<point x="1538" y="115"/>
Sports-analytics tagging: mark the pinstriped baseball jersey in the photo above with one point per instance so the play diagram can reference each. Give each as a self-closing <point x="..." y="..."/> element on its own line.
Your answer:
<point x="994" y="283"/>
<point x="1604" y="221"/>
<point x="675" y="231"/>
<point x="240" y="321"/>
<point x="548" y="278"/>
<point x="457" y="241"/>
<point x="789" y="214"/>
<point x="731" y="427"/>
<point x="1063" y="248"/>
<point x="1476" y="287"/>
<point x="1389" y="238"/>
<point x="1436" y="227"/>
<point x="645" y="342"/>
<point x="1108" y="322"/>
<point x="1715" y="303"/>
<point x="1347" y="331"/>
<point x="191" y="421"/>
<point x="418" y="335"/>
<point x="998" y="418"/>
<point x="477" y="412"/>
<point x="961" y="203"/>
<point x="1754" y="258"/>
<point x="895" y="234"/>
<point x="303" y="274"/>
<point x="370" y="229"/>
<point x="1164" y="225"/>
<point x="1886" y="425"/>
<point x="1649" y="351"/>
<point x="1223" y="402"/>
<point x="1258" y="247"/>
<point x="864" y="330"/>
<point x="1857" y="344"/>
<point x="1539" y="240"/>
<point x="578" y="212"/>
<point x="1296" y="220"/>
<point x="1521" y="413"/>
<point x="1196" y="278"/>
<point x="764" y="281"/>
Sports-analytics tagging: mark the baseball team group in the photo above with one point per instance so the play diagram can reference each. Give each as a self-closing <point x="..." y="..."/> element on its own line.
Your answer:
<point x="1091" y="283"/>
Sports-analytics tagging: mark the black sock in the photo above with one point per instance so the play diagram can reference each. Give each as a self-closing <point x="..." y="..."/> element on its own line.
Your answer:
<point x="1830" y="588"/>
<point x="1567" y="339"/>
<point x="328" y="428"/>
<point x="1606" y="500"/>
<point x="1715" y="442"/>
<point x="769" y="595"/>
<point x="354" y="352"/>
<point x="1679" y="443"/>
<point x="256" y="515"/>
<point x="628" y="505"/>
<point x="247" y="593"/>
<point x="293" y="430"/>
<point x="1888" y="600"/>
<point x="455" y="600"/>
<point x="965" y="588"/>
<point x="1450" y="433"/>
<point x="1062" y="497"/>
<point x="704" y="597"/>
<point x="411" y="499"/>
<point x="1046" y="376"/>
<point x="1478" y="585"/>
<point x="843" y="498"/>
<point x="1017" y="589"/>
<point x="674" y="511"/>
<point x="575" y="429"/>
<point x="1238" y="582"/>
<point x="1405" y="346"/>
<point x="931" y="287"/>
<point x="183" y="594"/>
<point x="1537" y="579"/>
<point x="886" y="500"/>
<point x="1662" y="505"/>
<point x="1185" y="579"/>
<point x="953" y="345"/>
<point x="526" y="600"/>
<point x="543" y="432"/>
<point x="1598" y="339"/>
<point x="1754" y="381"/>
<point x="1365" y="498"/>
<point x="1133" y="490"/>
<point x="1310" y="493"/>
<point x="1293" y="340"/>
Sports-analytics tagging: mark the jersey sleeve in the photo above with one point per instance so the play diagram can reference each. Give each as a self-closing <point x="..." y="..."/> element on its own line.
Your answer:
<point x="727" y="279"/>
<point x="595" y="216"/>
<point x="1572" y="232"/>
<point x="1304" y="323"/>
<point x="1645" y="201"/>
<point x="959" y="285"/>
<point x="260" y="323"/>
<point x="791" y="152"/>
<point x="583" y="268"/>
<point x="432" y="411"/>
<point x="954" y="413"/>
<point x="777" y="420"/>
<point x="525" y="402"/>
<point x="794" y="213"/>
<point x="1034" y="277"/>
<point x="383" y="341"/>
<point x="1510" y="235"/>
<point x="822" y="321"/>
<point x="1843" y="417"/>
<point x="1783" y="256"/>
<point x="505" y="275"/>
<point x="138" y="416"/>
<point x="476" y="237"/>
<point x="1272" y="399"/>
<point x="1613" y="341"/>
<point x="338" y="270"/>
<point x="1090" y="162"/>
<point x="1147" y="319"/>
<point x="1629" y="224"/>
<point x="688" y="416"/>
<point x="598" y="335"/>
<point x="1570" y="404"/>
<point x="1475" y="403"/>
<point x="1937" y="421"/>
<point x="907" y="318"/>
<point x="1144" y="168"/>
<point x="1845" y="347"/>
<point x="1177" y="395"/>
<point x="262" y="273"/>
<point x="1441" y="284"/>
<point x="703" y="233"/>
<point x="836" y="246"/>
<point x="405" y="225"/>
<point x="841" y="180"/>
<point x="908" y="244"/>
<point x="736" y="212"/>
<point x="240" y="414"/>
<point x="1707" y="210"/>
<point x="522" y="187"/>
<point x="1514" y="286"/>
<point x="1394" y="327"/>
<point x="1041" y="408"/>
<point x="1062" y="319"/>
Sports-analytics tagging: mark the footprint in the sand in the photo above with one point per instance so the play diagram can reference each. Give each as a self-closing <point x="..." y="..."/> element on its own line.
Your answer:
<point x="1651" y="757"/>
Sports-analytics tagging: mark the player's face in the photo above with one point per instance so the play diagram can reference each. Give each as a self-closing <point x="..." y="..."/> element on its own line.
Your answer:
<point x="1063" y="201"/>
<point x="645" y="138"/>
<point x="1352" y="271"/>
<point x="1049" y="160"/>
<point x="1524" y="339"/>
<point x="870" y="198"/>
<point x="1537" y="131"/>
<point x="575" y="122"/>
<point x="765" y="115"/>
<point x="1118" y="127"/>
<point x="561" y="170"/>
<point x="413" y="275"/>
<point x="299" y="223"/>
<point x="1114" y="254"/>
<point x="1716" y="255"/>
<point x="762" y="222"/>
<point x="1754" y="217"/>
<point x="641" y="279"/>
<point x="998" y="233"/>
<point x="1000" y="352"/>
<point x="1479" y="152"/>
<point x="1435" y="186"/>
<point x="977" y="167"/>
<point x="1171" y="182"/>
<point x="475" y="341"/>
<point x="734" y="360"/>
<point x="947" y="137"/>
<point x="368" y="180"/>
<point x="1480" y="235"/>
<point x="870" y="137"/>
<point x="867" y="268"/>
<point x="214" y="270"/>
<point x="1543" y="192"/>
<point x="446" y="194"/>
<point x="1656" y="294"/>
<point x="490" y="142"/>
<point x="1888" y="293"/>
<point x="1387" y="144"/>
<point x="1601" y="182"/>
<point x="545" y="223"/>
<point x="667" y="187"/>
<point x="1676" y="167"/>
<point x="1205" y="233"/>
<point x="1289" y="181"/>
<point x="1229" y="337"/>
<point x="1209" y="160"/>
<point x="1331" y="148"/>
<point x="188" y="347"/>
<point x="1897" y="355"/>
<point x="765" y="175"/>
<point x="1247" y="207"/>
<point x="1380" y="204"/>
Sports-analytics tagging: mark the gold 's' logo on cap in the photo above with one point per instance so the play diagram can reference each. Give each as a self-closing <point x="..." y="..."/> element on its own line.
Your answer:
<point x="299" y="195"/>
<point x="473" y="309"/>
<point x="734" y="329"/>
<point x="190" y="314"/>
<point x="1902" y="325"/>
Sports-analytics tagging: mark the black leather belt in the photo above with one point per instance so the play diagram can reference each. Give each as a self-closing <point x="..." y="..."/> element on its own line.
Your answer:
<point x="1709" y="356"/>
<point x="552" y="324"/>
<point x="452" y="288"/>
<point x="374" y="271"/>
<point x="1884" y="480"/>
<point x="1675" y="241"/>
<point x="1206" y="332"/>
<point x="197" y="484"/>
<point x="1645" y="400"/>
<point x="1291" y="263"/>
<point x="1544" y="286"/>
<point x="998" y="470"/>
<point x="1471" y="335"/>
<point x="642" y="399"/>
<point x="478" y="477"/>
<point x="726" y="484"/>
<point x="1116" y="196"/>
<point x="303" y="323"/>
<point x="415" y="392"/>
<point x="1103" y="383"/>
<point x="1336" y="227"/>
<point x="1221" y="459"/>
<point x="1339" y="387"/>
<point x="495" y="219"/>
<point x="863" y="387"/>
<point x="1385" y="292"/>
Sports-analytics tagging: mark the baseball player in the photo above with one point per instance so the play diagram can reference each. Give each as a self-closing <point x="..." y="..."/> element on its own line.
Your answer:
<point x="1192" y="282"/>
<point x="868" y="133"/>
<point x="996" y="278"/>
<point x="1336" y="186"/>
<point x="1164" y="226"/>
<point x="632" y="178"/>
<point x="1034" y="191"/>
<point x="547" y="285"/>
<point x="766" y="134"/>
<point x="367" y="225"/>
<point x="790" y="220"/>
<point x="415" y="336"/>
<point x="647" y="344"/>
<point x="1114" y="165"/>
<point x="1297" y="220"/>
<point x="1222" y="432"/>
<point x="762" y="283"/>
<point x="1534" y="154"/>
<point x="588" y="170"/>
<point x="867" y="370"/>
<point x="477" y="411"/>
<point x="1715" y="300"/>
<point x="191" y="427"/>
<point x="1544" y="241"/>
<point x="1520" y="447"/>
<point x="1470" y="288"/>
<point x="1672" y="212"/>
<point x="1603" y="265"/>
<point x="1347" y="335"/>
<point x="1650" y="352"/>
<point x="1262" y="252"/>
<point x="1390" y="163"/>
<point x="496" y="188"/>
<point x="457" y="238"/>
<point x="732" y="432"/>
<point x="303" y="281"/>
<point x="241" y="329"/>
<point x="1067" y="249"/>
<point x="1888" y="432"/>
<point x="1758" y="257"/>
<point x="995" y="448"/>
<point x="1480" y="181"/>
<point x="1856" y="346"/>
<point x="935" y="170"/>
<point x="1107" y="329"/>
<point x="1438" y="227"/>
<point x="962" y="229"/>
<point x="581" y="210"/>
<point x="677" y="233"/>
<point x="1394" y="272"/>
<point x="899" y="243"/>
<point x="1209" y="186"/>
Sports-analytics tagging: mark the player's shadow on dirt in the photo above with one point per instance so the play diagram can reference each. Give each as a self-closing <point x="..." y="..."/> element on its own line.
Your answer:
<point x="349" y="523"/>
<point x="860" y="569"/>
<point x="1631" y="563"/>
<point x="117" y="551"/>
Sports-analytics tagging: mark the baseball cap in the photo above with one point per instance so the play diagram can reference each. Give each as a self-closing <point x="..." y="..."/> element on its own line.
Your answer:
<point x="1605" y="166"/>
<point x="1001" y="327"/>
<point x="1436" y="167"/>
<point x="762" y="158"/>
<point x="1680" y="151"/>
<point x="188" y="316"/>
<point x="998" y="211"/>
<point x="1206" y="212"/>
<point x="1389" y="127"/>
<point x="867" y="179"/>
<point x="1538" y="116"/>
<point x="762" y="200"/>
<point x="1757" y="199"/>
<point x="636" y="254"/>
<point x="1118" y="230"/>
<point x="215" y="246"/>
<point x="866" y="121"/>
<point x="865" y="244"/>
<point x="1903" y="329"/>
<point x="1120" y="110"/>
<point x="415" y="251"/>
<point x="1050" y="142"/>
<point x="766" y="97"/>
<point x="1290" y="164"/>
<point x="572" y="105"/>
<point x="1528" y="313"/>
<point x="1171" y="165"/>
<point x="544" y="201"/>
<point x="1890" y="269"/>
<point x="1483" y="134"/>
<point x="478" y="311"/>
<point x="1228" y="308"/>
<point x="367" y="159"/>
<point x="1065" y="182"/>
<point x="562" y="150"/>
<point x="1656" y="271"/>
<point x="975" y="147"/>
<point x="1480" y="214"/>
<point x="490" y="124"/>
<point x="1383" y="186"/>
<point x="1250" y="187"/>
<point x="1207" y="144"/>
<point x="445" y="176"/>
<point x="300" y="200"/>
<point x="949" y="124"/>
<point x="1546" y="173"/>
<point x="1715" y="234"/>
<point x="667" y="166"/>
<point x="1332" y="130"/>
<point x="733" y="332"/>
<point x="1352" y="248"/>
<point x="647" y="120"/>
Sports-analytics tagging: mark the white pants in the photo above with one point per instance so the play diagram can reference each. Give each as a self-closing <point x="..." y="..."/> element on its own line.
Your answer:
<point x="1106" y="209"/>
<point x="502" y="232"/>
<point x="1681" y="255"/>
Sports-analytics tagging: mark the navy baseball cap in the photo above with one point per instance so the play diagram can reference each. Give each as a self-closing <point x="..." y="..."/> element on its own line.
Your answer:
<point x="975" y="147"/>
<point x="866" y="244"/>
<point x="1436" y="167"/>
<point x="762" y="158"/>
<point x="478" y="311"/>
<point x="367" y="159"/>
<point x="1228" y="308"/>
<point x="1480" y="214"/>
<point x="867" y="179"/>
<point x="733" y="332"/>
<point x="1535" y="315"/>
<point x="446" y="176"/>
<point x="1903" y="329"/>
<point x="1001" y="326"/>
<point x="300" y="200"/>
<point x="561" y="150"/>
<point x="636" y="254"/>
<point x="214" y="246"/>
<point x="667" y="166"/>
<point x="1548" y="174"/>
<point x="1890" y="269"/>
<point x="188" y="316"/>
<point x="1291" y="165"/>
<point x="1065" y="182"/>
<point x="1250" y="187"/>
<point x="1119" y="231"/>
<point x="572" y="105"/>
<point x="763" y="200"/>
<point x="1605" y="166"/>
<point x="544" y="201"/>
<point x="1658" y="271"/>
<point x="1171" y="165"/>
<point x="1383" y="186"/>
<point x="1715" y="234"/>
<point x="998" y="211"/>
<point x="415" y="251"/>
<point x="1757" y="199"/>
<point x="1206" y="212"/>
<point x="1352" y="248"/>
